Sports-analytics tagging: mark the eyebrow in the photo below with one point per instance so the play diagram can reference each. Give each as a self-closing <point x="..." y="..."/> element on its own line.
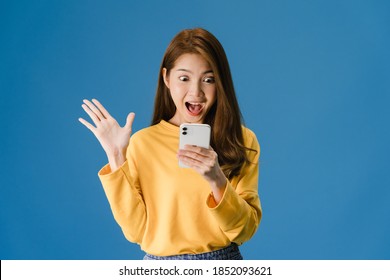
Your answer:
<point x="189" y="71"/>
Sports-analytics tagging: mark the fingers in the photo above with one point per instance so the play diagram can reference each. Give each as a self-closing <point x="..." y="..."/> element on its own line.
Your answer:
<point x="101" y="108"/>
<point x="198" y="156"/>
<point x="91" y="114"/>
<point x="101" y="117"/>
<point x="197" y="151"/>
<point x="94" y="108"/>
<point x="205" y="167"/>
<point x="87" y="124"/>
<point x="195" y="163"/>
<point x="129" y="121"/>
<point x="205" y="162"/>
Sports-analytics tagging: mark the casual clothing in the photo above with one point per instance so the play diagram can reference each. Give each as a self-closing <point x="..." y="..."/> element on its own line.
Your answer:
<point x="229" y="253"/>
<point x="167" y="209"/>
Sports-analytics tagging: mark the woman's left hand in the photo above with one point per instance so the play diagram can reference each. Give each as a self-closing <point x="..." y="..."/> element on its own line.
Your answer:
<point x="205" y="162"/>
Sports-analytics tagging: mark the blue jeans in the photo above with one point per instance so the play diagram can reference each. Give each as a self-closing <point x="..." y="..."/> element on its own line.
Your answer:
<point x="231" y="252"/>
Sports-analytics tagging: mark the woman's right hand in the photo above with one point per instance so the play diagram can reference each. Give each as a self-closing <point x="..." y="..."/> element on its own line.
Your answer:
<point x="113" y="138"/>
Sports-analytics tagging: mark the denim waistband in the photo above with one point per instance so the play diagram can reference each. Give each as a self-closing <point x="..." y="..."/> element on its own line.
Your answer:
<point x="231" y="252"/>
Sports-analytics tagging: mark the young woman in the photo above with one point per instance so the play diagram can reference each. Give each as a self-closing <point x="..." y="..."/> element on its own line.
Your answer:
<point x="201" y="212"/>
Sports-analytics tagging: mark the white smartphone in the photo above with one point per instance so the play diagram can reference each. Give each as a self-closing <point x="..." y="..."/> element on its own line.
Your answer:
<point x="194" y="134"/>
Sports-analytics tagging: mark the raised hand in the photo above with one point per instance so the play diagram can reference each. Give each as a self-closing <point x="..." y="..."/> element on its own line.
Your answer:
<point x="113" y="138"/>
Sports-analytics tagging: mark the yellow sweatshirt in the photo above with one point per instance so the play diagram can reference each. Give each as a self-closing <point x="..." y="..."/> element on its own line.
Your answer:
<point x="167" y="209"/>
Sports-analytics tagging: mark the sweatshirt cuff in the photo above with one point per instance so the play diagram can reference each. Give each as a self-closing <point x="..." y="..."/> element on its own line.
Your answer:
<point x="106" y="174"/>
<point x="226" y="212"/>
<point x="210" y="201"/>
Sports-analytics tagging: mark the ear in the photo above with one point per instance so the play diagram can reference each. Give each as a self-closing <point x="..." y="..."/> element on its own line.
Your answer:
<point x="165" y="78"/>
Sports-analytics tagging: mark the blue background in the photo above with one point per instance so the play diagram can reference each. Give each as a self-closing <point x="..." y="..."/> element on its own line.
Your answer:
<point x="312" y="78"/>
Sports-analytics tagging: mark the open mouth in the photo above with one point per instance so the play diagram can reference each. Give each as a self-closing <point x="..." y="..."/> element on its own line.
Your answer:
<point x="194" y="108"/>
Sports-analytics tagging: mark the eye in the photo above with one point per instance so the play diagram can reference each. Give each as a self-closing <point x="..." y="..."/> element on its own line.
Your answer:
<point x="209" y="80"/>
<point x="183" y="78"/>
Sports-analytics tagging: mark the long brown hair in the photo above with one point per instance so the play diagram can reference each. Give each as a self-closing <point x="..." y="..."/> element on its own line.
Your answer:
<point x="224" y="117"/>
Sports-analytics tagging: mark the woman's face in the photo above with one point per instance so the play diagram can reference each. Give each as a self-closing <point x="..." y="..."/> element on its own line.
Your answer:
<point x="192" y="86"/>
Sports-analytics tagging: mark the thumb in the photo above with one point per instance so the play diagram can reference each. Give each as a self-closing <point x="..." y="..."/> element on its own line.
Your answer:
<point x="129" y="121"/>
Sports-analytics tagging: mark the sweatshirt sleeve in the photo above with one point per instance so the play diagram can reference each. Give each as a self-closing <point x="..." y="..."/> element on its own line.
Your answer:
<point x="126" y="201"/>
<point x="239" y="211"/>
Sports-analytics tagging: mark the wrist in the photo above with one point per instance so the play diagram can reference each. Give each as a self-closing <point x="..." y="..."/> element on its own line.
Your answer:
<point x="116" y="159"/>
<point x="219" y="183"/>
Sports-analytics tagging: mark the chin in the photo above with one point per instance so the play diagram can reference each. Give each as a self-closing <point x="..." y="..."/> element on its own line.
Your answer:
<point x="195" y="119"/>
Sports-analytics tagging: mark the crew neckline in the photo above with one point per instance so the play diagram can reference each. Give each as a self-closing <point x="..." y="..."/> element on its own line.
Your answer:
<point x="169" y="126"/>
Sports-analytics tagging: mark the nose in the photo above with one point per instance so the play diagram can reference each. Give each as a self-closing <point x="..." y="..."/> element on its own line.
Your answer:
<point x="196" y="88"/>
